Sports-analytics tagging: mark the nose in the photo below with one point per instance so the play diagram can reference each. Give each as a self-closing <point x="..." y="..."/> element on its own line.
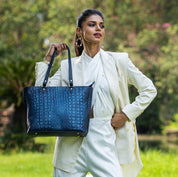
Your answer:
<point x="98" y="28"/>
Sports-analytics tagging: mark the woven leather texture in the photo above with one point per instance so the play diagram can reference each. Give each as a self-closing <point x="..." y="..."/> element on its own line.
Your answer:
<point x="58" y="111"/>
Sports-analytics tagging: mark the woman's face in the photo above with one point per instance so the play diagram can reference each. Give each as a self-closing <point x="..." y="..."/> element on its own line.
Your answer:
<point x="92" y="29"/>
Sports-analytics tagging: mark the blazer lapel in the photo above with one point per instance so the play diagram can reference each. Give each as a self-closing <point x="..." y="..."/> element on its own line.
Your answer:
<point x="112" y="76"/>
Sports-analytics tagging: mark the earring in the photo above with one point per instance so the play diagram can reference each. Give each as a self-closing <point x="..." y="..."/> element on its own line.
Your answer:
<point x="80" y="38"/>
<point x="79" y="41"/>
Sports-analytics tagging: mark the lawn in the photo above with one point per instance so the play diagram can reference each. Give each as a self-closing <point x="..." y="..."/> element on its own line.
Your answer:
<point x="26" y="165"/>
<point x="159" y="164"/>
<point x="33" y="164"/>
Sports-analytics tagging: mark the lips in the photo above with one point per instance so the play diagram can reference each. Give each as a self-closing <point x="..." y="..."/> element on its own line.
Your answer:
<point x="98" y="35"/>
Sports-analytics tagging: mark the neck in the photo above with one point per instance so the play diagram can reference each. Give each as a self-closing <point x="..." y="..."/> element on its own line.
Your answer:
<point x="91" y="49"/>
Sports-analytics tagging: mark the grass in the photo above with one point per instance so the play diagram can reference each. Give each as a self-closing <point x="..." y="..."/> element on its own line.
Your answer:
<point x="27" y="164"/>
<point x="159" y="164"/>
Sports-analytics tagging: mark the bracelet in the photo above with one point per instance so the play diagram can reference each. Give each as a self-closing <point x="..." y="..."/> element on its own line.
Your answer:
<point x="45" y="61"/>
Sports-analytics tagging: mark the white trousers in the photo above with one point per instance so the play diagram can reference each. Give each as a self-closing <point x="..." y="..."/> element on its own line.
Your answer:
<point x="97" y="153"/>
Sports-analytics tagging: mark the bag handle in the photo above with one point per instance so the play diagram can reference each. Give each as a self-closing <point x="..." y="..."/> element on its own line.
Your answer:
<point x="50" y="65"/>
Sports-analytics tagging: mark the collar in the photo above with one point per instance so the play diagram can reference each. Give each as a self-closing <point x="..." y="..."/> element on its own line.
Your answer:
<point x="88" y="58"/>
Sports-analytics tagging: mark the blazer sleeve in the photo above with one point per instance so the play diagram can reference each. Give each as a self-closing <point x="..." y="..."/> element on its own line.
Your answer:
<point x="145" y="87"/>
<point x="40" y="71"/>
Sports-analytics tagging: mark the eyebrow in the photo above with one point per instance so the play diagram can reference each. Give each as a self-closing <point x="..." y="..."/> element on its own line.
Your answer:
<point x="95" y="21"/>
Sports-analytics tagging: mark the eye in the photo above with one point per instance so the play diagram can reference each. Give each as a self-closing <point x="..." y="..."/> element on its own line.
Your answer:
<point x="91" y="24"/>
<point x="102" y="26"/>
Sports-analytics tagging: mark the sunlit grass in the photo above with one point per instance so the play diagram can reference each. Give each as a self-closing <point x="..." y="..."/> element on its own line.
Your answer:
<point x="34" y="164"/>
<point x="159" y="164"/>
<point x="26" y="165"/>
<point x="156" y="164"/>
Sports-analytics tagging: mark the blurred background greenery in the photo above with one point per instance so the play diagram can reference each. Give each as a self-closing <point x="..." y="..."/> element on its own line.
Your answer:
<point x="147" y="30"/>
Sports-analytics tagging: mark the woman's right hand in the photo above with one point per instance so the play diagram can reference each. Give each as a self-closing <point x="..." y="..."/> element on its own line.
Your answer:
<point x="60" y="48"/>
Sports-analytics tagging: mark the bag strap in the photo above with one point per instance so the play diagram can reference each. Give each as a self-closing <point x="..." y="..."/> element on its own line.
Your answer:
<point x="50" y="65"/>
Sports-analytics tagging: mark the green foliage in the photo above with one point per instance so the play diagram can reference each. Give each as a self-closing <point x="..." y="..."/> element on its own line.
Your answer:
<point x="173" y="124"/>
<point x="157" y="45"/>
<point x="147" y="30"/>
<point x="149" y="122"/>
<point x="16" y="73"/>
<point x="20" y="45"/>
<point x="167" y="79"/>
<point x="20" y="25"/>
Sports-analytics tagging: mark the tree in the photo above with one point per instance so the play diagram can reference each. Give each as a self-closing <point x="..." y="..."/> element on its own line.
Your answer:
<point x="147" y="30"/>
<point x="18" y="50"/>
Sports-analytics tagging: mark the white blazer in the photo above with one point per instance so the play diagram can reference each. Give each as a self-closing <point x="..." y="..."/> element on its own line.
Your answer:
<point x="120" y="72"/>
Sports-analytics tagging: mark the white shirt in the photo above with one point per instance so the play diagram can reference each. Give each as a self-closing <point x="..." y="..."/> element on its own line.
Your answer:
<point x="102" y="102"/>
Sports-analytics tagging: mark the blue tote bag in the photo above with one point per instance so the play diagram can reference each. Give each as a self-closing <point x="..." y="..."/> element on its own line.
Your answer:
<point x="58" y="111"/>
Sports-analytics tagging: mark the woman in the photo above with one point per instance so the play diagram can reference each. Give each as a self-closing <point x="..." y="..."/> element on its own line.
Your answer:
<point x="110" y="148"/>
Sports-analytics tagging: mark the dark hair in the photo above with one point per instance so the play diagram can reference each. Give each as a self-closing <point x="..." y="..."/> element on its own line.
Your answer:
<point x="82" y="17"/>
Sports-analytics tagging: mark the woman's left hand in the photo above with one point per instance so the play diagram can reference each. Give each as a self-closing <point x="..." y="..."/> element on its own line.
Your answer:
<point x="118" y="120"/>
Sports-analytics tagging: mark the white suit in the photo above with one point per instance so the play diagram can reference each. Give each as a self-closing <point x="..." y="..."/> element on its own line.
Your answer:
<point x="119" y="72"/>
